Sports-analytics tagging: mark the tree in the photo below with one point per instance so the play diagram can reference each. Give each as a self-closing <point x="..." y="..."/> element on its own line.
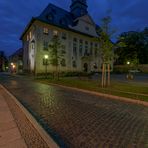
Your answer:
<point x="106" y="47"/>
<point x="136" y="46"/>
<point x="56" y="51"/>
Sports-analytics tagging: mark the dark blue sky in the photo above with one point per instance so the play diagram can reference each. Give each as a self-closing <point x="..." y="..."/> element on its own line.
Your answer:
<point x="15" y="14"/>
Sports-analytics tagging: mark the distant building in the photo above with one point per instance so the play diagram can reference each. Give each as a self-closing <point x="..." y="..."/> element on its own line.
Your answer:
<point x="16" y="61"/>
<point x="3" y="62"/>
<point x="77" y="31"/>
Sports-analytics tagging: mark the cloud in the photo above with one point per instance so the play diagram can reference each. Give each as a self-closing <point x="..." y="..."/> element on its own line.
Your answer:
<point x="15" y="15"/>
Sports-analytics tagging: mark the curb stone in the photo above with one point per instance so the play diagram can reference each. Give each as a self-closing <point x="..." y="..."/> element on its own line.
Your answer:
<point x="107" y="96"/>
<point x="48" y="140"/>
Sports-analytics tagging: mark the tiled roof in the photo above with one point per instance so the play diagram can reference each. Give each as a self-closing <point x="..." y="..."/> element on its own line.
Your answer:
<point x="56" y="16"/>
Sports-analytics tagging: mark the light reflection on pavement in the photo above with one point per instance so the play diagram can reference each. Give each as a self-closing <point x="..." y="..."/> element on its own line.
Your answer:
<point x="76" y="119"/>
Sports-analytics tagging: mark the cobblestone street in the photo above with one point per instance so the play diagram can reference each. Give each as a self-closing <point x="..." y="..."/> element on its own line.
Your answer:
<point x="80" y="120"/>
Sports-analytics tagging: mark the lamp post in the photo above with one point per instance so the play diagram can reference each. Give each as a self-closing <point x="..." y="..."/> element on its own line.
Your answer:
<point x="13" y="66"/>
<point x="129" y="75"/>
<point x="128" y="63"/>
<point x="46" y="64"/>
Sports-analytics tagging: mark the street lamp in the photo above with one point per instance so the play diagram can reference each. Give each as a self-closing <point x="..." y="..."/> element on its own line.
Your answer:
<point x="46" y="63"/>
<point x="13" y="66"/>
<point x="128" y="63"/>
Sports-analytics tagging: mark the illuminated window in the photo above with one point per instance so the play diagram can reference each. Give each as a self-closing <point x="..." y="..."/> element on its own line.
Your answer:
<point x="55" y="33"/>
<point x="95" y="66"/>
<point x="46" y="30"/>
<point x="27" y="37"/>
<point x="30" y="35"/>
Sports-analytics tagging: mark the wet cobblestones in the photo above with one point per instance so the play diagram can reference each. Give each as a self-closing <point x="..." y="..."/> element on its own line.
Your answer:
<point x="82" y="120"/>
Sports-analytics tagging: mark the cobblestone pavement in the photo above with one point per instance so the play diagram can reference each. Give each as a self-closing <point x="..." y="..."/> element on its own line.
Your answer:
<point x="81" y="120"/>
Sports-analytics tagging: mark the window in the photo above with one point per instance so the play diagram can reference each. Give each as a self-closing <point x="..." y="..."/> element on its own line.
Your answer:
<point x="96" y="45"/>
<point x="45" y="45"/>
<point x="74" y="64"/>
<point x="91" y="48"/>
<point x="33" y="46"/>
<point x="63" y="62"/>
<point x="50" y="17"/>
<point x="55" y="33"/>
<point x="95" y="66"/>
<point x="30" y="35"/>
<point x="86" y="48"/>
<point x="63" y="21"/>
<point x="27" y="37"/>
<point x="75" y="49"/>
<point x="75" y="39"/>
<point x="81" y="41"/>
<point x="87" y="28"/>
<point x="64" y="36"/>
<point x="86" y="42"/>
<point x="96" y="49"/>
<point x="53" y="10"/>
<point x="46" y="31"/>
<point x="80" y="47"/>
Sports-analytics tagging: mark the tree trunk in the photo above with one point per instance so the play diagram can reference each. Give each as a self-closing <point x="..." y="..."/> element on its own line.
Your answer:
<point x="103" y="75"/>
<point x="108" y="75"/>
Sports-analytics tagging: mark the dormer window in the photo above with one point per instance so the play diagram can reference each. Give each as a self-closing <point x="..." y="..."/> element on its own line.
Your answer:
<point x="45" y="30"/>
<point x="63" y="21"/>
<point x="53" y="10"/>
<point x="50" y="17"/>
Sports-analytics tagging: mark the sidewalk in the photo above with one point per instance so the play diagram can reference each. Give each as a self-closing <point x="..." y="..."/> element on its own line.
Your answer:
<point x="10" y="136"/>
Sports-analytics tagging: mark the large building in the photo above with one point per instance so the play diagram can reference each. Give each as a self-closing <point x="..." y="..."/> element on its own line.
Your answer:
<point x="77" y="32"/>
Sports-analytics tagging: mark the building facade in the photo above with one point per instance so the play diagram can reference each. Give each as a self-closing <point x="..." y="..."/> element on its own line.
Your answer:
<point x="77" y="32"/>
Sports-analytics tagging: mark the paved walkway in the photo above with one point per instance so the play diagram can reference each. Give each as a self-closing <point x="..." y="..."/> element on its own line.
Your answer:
<point x="10" y="136"/>
<point x="76" y="119"/>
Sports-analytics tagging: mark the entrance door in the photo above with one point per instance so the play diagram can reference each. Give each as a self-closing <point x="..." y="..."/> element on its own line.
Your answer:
<point x="85" y="67"/>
